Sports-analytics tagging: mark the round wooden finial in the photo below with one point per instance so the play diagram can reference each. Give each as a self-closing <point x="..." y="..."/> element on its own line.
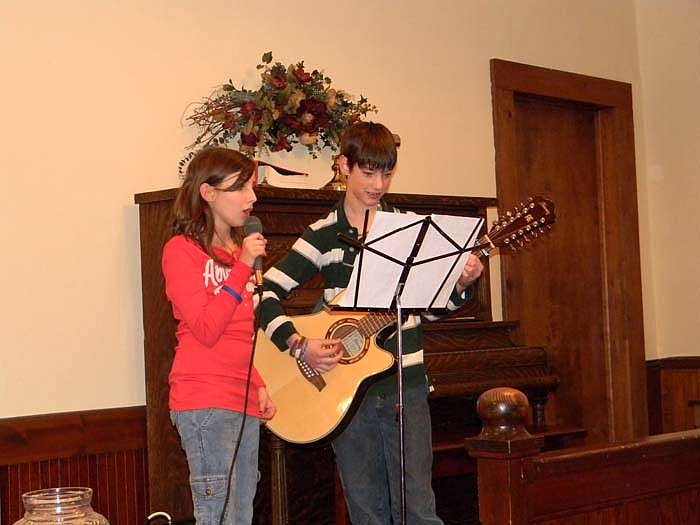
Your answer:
<point x="503" y="412"/>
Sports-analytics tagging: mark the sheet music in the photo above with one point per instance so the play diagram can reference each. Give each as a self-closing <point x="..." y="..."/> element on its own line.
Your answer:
<point x="429" y="282"/>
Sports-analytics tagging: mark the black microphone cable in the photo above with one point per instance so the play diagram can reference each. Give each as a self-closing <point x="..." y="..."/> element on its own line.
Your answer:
<point x="245" y="410"/>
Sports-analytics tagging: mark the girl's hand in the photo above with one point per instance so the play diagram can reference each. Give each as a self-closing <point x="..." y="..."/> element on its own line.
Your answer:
<point x="267" y="407"/>
<point x="252" y="247"/>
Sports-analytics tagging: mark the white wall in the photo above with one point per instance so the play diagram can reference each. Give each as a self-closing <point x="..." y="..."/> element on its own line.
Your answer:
<point x="669" y="172"/>
<point x="93" y="93"/>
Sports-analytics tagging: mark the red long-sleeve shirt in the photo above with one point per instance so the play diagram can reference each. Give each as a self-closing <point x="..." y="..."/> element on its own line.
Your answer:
<point x="214" y="333"/>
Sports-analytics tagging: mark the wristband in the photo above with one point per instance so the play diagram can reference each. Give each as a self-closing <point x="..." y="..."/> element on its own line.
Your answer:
<point x="233" y="293"/>
<point x="304" y="346"/>
<point x="295" y="349"/>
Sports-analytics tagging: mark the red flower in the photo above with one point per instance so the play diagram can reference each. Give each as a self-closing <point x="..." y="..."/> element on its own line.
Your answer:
<point x="318" y="112"/>
<point x="251" y="112"/>
<point x="249" y="139"/>
<point x="278" y="82"/>
<point x="229" y="121"/>
<point x="282" y="143"/>
<point x="302" y="76"/>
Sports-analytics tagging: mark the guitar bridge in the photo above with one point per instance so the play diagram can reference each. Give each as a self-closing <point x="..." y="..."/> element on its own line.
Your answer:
<point x="311" y="375"/>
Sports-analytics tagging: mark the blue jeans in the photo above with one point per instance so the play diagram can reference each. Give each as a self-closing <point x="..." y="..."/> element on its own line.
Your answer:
<point x="369" y="464"/>
<point x="208" y="437"/>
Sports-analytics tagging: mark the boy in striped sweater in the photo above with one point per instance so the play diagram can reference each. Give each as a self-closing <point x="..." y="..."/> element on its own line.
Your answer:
<point x="367" y="451"/>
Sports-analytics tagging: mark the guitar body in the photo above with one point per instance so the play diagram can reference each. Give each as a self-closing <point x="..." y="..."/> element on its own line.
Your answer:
<point x="312" y="406"/>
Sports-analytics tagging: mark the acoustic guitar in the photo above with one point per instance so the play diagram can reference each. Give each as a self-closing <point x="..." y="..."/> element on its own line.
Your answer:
<point x="313" y="406"/>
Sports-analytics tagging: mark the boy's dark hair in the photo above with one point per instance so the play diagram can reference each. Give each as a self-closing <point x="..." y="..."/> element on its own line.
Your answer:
<point x="369" y="145"/>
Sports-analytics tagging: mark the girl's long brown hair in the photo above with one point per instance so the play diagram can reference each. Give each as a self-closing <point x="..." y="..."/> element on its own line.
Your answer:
<point x="192" y="215"/>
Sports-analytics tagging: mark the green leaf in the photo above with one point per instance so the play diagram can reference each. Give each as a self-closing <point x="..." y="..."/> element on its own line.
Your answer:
<point x="267" y="57"/>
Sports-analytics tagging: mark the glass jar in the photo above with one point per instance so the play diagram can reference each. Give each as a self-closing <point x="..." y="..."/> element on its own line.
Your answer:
<point x="69" y="505"/>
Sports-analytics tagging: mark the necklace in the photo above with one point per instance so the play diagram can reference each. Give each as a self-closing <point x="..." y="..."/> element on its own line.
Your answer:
<point x="224" y="245"/>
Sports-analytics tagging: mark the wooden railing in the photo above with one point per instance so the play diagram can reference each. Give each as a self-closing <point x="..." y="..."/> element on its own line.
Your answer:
<point x="647" y="481"/>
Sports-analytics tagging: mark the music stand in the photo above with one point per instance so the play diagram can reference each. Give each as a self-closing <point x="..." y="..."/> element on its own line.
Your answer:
<point x="426" y="253"/>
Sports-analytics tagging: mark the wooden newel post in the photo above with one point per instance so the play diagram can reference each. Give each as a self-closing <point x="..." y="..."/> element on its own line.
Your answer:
<point x="500" y="450"/>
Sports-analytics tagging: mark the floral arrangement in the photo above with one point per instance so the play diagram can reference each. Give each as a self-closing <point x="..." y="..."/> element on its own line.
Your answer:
<point x="291" y="106"/>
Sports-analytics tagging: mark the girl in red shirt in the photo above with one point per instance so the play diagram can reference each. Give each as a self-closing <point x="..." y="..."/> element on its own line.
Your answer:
<point x="217" y="398"/>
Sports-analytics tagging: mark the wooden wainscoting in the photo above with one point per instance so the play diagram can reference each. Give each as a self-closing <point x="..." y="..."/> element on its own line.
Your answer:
<point x="101" y="449"/>
<point x="673" y="390"/>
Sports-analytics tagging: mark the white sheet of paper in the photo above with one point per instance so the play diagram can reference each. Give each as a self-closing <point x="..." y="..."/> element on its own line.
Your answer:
<point x="380" y="276"/>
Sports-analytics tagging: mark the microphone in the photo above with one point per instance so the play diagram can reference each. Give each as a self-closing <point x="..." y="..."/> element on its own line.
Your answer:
<point x="253" y="225"/>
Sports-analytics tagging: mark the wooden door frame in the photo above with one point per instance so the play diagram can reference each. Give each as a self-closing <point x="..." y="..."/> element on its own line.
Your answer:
<point x="619" y="228"/>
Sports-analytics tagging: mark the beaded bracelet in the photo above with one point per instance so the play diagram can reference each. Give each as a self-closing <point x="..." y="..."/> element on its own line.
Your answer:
<point x="304" y="347"/>
<point x="297" y="346"/>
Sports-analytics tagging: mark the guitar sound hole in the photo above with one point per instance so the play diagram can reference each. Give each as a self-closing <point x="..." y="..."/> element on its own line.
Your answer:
<point x="354" y="344"/>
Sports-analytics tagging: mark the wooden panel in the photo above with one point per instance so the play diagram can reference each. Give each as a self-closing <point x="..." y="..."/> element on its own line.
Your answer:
<point x="600" y="477"/>
<point x="614" y="515"/>
<point x="666" y="509"/>
<point x="101" y="449"/>
<point x="36" y="438"/>
<point x="673" y="384"/>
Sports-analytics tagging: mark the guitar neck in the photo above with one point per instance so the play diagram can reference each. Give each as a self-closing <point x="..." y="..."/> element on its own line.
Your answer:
<point x="483" y="247"/>
<point x="512" y="230"/>
<point x="374" y="322"/>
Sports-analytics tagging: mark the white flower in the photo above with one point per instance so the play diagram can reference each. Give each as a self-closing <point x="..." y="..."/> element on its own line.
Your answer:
<point x="308" y="138"/>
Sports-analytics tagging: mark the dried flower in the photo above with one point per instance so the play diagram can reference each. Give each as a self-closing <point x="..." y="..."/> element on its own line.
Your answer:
<point x="291" y="106"/>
